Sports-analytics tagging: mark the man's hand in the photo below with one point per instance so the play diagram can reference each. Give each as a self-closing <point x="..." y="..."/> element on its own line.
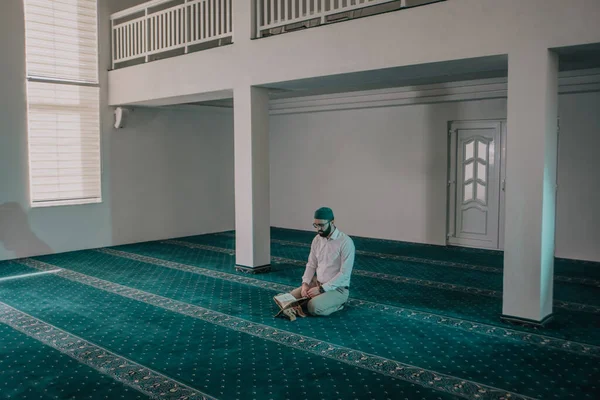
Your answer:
<point x="304" y="291"/>
<point x="314" y="292"/>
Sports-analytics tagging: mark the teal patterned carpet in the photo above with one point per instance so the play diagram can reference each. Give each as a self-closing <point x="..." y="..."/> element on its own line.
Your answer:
<point x="173" y="319"/>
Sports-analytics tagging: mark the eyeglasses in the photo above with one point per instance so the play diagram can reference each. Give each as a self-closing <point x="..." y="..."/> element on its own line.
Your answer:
<point x="321" y="225"/>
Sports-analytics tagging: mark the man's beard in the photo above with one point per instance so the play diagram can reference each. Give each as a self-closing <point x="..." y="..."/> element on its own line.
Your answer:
<point x="325" y="233"/>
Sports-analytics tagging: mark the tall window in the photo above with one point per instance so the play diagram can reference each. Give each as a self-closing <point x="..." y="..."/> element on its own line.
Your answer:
<point x="63" y="102"/>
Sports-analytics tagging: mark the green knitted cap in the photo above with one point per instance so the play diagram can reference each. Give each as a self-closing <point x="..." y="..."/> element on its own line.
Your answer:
<point x="324" y="213"/>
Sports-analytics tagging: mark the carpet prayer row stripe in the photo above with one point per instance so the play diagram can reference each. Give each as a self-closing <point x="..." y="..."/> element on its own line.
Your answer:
<point x="469" y="326"/>
<point x="420" y="376"/>
<point x="385" y="256"/>
<point x="396" y="278"/>
<point x="140" y="378"/>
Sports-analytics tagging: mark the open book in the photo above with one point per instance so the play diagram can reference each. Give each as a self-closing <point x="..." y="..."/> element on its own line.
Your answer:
<point x="286" y="301"/>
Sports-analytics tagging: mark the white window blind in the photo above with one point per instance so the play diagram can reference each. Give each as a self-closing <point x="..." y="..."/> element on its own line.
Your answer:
<point x="63" y="102"/>
<point x="61" y="39"/>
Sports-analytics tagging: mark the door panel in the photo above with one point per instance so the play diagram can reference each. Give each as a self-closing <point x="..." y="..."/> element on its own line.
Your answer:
<point x="475" y="175"/>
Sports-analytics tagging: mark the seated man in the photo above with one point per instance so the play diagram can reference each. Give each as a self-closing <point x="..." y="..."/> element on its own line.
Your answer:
<point x="332" y="258"/>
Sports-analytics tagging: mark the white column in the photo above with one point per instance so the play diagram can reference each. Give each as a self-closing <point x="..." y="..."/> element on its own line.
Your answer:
<point x="243" y="20"/>
<point x="252" y="207"/>
<point x="530" y="185"/>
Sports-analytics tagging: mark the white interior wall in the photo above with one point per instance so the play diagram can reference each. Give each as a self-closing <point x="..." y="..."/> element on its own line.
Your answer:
<point x="384" y="170"/>
<point x="155" y="172"/>
<point x="172" y="174"/>
<point x="125" y="217"/>
<point x="25" y="231"/>
<point x="578" y="197"/>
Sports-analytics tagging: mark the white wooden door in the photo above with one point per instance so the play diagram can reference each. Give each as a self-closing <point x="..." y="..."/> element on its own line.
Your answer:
<point x="475" y="208"/>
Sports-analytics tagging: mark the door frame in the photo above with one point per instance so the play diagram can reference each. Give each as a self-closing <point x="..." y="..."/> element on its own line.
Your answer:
<point x="451" y="183"/>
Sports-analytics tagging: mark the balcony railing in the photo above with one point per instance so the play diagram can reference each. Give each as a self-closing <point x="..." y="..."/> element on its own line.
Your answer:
<point x="154" y="27"/>
<point x="299" y="14"/>
<point x="164" y="28"/>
